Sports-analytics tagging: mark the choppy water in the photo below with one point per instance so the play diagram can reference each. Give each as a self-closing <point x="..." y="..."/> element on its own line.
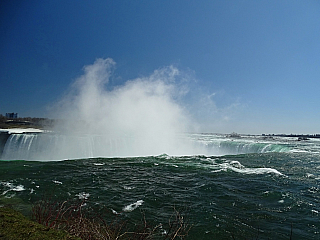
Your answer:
<point x="250" y="188"/>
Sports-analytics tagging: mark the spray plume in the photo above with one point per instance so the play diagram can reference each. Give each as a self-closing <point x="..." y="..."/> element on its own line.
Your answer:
<point x="141" y="117"/>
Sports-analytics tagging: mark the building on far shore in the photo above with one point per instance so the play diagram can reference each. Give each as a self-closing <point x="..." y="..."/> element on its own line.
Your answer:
<point x="12" y="115"/>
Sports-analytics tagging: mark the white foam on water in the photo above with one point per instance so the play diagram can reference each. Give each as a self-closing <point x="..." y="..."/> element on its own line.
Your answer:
<point x="57" y="182"/>
<point x="310" y="175"/>
<point x="256" y="171"/>
<point x="114" y="212"/>
<point x="133" y="206"/>
<point x="219" y="170"/>
<point x="98" y="164"/>
<point x="239" y="168"/>
<point x="236" y="164"/>
<point x="12" y="187"/>
<point x="83" y="195"/>
<point x="298" y="151"/>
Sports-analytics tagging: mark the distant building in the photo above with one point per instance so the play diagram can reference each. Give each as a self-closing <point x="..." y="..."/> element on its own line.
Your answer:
<point x="12" y="115"/>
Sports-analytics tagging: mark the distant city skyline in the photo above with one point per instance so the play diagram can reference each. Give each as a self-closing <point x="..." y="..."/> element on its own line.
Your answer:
<point x="244" y="66"/>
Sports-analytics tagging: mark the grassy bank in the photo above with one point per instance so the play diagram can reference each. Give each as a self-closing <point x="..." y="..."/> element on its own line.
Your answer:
<point x="13" y="226"/>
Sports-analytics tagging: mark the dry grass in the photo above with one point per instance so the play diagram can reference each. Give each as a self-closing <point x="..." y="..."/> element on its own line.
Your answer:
<point x="79" y="220"/>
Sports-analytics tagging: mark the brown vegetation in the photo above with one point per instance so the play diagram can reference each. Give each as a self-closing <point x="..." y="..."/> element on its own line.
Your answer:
<point x="80" y="221"/>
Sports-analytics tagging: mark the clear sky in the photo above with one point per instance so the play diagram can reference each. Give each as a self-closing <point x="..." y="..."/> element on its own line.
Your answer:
<point x="255" y="65"/>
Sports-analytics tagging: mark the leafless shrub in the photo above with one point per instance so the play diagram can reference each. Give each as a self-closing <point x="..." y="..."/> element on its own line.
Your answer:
<point x="87" y="223"/>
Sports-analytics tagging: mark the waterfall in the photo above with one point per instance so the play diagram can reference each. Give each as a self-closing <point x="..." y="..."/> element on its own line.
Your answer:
<point x="58" y="146"/>
<point x="47" y="146"/>
<point x="222" y="145"/>
<point x="4" y="135"/>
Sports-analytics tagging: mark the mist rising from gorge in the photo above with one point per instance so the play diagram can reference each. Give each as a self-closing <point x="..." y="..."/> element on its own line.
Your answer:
<point x="144" y="112"/>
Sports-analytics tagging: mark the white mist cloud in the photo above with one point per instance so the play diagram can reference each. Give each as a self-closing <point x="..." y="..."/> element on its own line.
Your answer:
<point x="143" y="113"/>
<point x="144" y="116"/>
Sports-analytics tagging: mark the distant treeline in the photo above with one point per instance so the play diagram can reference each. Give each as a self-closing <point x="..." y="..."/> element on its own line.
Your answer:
<point x="26" y="122"/>
<point x="294" y="135"/>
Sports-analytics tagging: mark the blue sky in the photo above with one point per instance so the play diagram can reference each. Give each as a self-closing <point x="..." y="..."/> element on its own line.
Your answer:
<point x="255" y="65"/>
